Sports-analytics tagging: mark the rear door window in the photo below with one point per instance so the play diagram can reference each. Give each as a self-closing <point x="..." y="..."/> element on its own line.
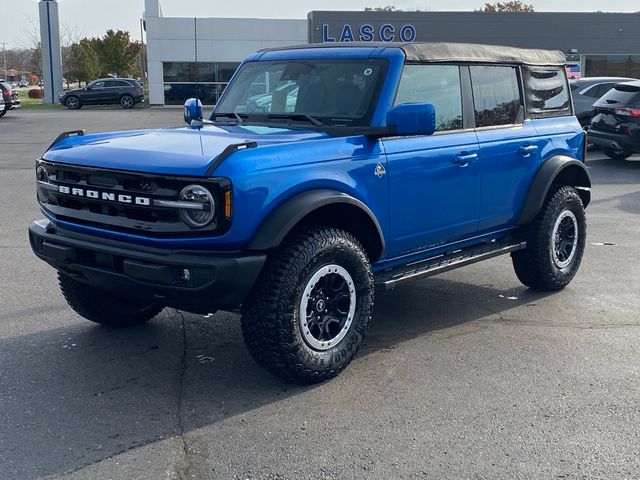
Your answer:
<point x="496" y="95"/>
<point x="435" y="84"/>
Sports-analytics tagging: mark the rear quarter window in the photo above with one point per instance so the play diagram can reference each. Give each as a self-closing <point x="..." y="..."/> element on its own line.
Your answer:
<point x="547" y="91"/>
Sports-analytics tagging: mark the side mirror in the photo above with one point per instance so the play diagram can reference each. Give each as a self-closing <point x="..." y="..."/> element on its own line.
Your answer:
<point x="412" y="119"/>
<point x="192" y="110"/>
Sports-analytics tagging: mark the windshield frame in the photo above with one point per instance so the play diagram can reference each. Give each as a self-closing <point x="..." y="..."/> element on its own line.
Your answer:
<point x="267" y="119"/>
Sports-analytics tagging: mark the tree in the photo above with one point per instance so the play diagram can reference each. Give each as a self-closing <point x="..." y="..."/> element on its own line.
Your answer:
<point x="82" y="62"/>
<point x="388" y="8"/>
<point x="510" y="6"/>
<point x="116" y="52"/>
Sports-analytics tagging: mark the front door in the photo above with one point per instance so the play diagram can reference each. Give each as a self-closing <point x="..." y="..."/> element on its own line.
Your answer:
<point x="94" y="92"/>
<point x="433" y="180"/>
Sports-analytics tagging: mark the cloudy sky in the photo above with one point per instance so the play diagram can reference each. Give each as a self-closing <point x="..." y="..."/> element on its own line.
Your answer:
<point x="94" y="17"/>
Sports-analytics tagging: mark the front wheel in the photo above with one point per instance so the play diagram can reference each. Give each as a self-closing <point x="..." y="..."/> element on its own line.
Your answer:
<point x="127" y="101"/>
<point x="100" y="306"/>
<point x="72" y="102"/>
<point x="555" y="243"/>
<point x="617" y="153"/>
<point x="310" y="309"/>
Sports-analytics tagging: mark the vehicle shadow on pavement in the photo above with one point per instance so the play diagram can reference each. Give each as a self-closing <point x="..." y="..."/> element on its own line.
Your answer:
<point x="93" y="393"/>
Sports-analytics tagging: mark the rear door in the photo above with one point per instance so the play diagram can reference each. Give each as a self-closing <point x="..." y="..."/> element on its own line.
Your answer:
<point x="433" y="180"/>
<point x="508" y="144"/>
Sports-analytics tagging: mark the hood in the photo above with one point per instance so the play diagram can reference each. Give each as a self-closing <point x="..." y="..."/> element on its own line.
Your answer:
<point x="179" y="151"/>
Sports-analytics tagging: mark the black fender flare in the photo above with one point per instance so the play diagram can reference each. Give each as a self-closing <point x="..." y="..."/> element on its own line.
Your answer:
<point x="568" y="171"/>
<point x="279" y="222"/>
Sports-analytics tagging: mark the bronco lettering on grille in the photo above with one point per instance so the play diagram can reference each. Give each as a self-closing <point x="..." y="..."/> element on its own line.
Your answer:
<point x="106" y="196"/>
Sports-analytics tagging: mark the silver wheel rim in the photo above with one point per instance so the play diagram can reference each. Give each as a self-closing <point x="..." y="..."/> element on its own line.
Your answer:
<point x="72" y="102"/>
<point x="327" y="307"/>
<point x="126" y="102"/>
<point x="564" y="239"/>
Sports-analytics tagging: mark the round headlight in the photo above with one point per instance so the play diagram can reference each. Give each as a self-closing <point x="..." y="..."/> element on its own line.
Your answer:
<point x="42" y="175"/>
<point x="204" y="206"/>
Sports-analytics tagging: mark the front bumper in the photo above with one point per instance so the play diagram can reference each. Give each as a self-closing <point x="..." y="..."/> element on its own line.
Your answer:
<point x="217" y="280"/>
<point x="613" y="140"/>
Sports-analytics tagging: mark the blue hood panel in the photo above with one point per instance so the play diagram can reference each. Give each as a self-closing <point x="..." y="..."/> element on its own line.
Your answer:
<point x="179" y="151"/>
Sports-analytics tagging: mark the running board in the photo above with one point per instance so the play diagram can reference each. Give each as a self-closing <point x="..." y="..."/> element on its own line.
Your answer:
<point x="447" y="261"/>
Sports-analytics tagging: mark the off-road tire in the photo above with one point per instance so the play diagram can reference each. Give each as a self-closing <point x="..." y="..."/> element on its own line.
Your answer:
<point x="127" y="102"/>
<point x="536" y="266"/>
<point x="616" y="154"/>
<point x="103" y="307"/>
<point x="271" y="321"/>
<point x="72" y="102"/>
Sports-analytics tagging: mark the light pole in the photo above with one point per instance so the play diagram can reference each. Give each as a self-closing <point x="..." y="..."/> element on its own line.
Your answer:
<point x="4" y="57"/>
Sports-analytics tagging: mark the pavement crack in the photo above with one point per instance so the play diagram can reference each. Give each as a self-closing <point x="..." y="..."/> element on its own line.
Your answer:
<point x="183" y="470"/>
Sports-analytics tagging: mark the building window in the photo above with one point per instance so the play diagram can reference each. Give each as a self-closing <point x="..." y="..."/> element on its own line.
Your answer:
<point x="180" y="81"/>
<point x="612" y="66"/>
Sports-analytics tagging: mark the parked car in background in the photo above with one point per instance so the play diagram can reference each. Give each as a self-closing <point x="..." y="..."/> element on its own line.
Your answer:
<point x="105" y="91"/>
<point x="586" y="91"/>
<point x="10" y="98"/>
<point x="615" y="125"/>
<point x="23" y="84"/>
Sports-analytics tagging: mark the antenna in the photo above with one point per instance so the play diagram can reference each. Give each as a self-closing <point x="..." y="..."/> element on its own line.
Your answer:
<point x="195" y="36"/>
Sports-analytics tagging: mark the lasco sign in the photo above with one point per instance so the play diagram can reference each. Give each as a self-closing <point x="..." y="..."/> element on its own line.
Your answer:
<point x="367" y="33"/>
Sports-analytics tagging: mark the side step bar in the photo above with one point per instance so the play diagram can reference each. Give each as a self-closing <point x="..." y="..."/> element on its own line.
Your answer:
<point x="447" y="261"/>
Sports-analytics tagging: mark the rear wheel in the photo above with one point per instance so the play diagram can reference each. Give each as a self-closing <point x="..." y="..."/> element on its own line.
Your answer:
<point x="100" y="306"/>
<point x="555" y="243"/>
<point x="3" y="112"/>
<point x="310" y="309"/>
<point x="127" y="101"/>
<point x="617" y="153"/>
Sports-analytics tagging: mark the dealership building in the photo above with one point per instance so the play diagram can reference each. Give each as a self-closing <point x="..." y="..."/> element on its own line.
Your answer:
<point x="183" y="51"/>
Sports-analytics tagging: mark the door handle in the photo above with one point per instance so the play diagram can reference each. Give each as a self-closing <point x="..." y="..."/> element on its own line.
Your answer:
<point x="527" y="150"/>
<point x="463" y="159"/>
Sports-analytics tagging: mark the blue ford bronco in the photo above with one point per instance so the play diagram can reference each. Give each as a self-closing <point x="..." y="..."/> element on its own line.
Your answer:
<point x="323" y="173"/>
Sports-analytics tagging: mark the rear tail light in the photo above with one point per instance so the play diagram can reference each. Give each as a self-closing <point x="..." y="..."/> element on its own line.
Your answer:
<point x="9" y="93"/>
<point x="629" y="112"/>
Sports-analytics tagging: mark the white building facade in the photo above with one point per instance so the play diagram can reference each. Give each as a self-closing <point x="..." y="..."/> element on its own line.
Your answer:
<point x="222" y="43"/>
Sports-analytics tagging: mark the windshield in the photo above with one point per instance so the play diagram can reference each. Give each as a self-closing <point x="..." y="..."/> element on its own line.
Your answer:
<point x="333" y="92"/>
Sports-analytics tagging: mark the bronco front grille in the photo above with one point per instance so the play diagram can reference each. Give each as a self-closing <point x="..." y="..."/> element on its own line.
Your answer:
<point x="123" y="201"/>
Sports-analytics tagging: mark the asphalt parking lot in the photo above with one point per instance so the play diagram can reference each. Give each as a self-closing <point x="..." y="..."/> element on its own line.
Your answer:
<point x="465" y="375"/>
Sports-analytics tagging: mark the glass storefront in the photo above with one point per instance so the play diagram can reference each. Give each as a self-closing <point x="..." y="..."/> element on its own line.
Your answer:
<point x="180" y="81"/>
<point x="611" y="65"/>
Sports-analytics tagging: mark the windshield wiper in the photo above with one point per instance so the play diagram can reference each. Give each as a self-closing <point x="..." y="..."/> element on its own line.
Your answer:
<point x="237" y="116"/>
<point x="298" y="116"/>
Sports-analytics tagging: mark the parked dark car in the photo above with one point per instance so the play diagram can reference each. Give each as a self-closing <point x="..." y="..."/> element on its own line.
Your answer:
<point x="586" y="91"/>
<point x="125" y="92"/>
<point x="615" y="125"/>
<point x="9" y="98"/>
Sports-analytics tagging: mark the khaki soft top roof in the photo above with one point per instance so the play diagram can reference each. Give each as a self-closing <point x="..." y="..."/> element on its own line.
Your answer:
<point x="452" y="52"/>
<point x="471" y="52"/>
